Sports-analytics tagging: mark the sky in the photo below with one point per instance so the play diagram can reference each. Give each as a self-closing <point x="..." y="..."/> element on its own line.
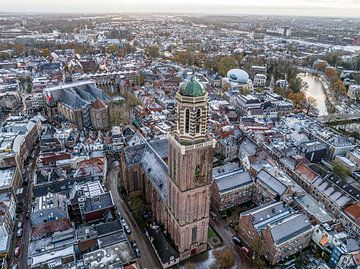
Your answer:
<point x="333" y="8"/>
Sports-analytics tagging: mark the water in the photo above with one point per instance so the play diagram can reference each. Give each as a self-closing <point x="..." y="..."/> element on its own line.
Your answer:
<point x="315" y="89"/>
<point x="204" y="260"/>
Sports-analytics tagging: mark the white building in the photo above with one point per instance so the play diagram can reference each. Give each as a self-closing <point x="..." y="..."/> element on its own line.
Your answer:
<point x="259" y="80"/>
<point x="354" y="92"/>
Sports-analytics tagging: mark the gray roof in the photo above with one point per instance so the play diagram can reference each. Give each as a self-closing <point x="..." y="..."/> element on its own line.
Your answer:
<point x="248" y="146"/>
<point x="77" y="95"/>
<point x="150" y="156"/>
<point x="267" y="213"/>
<point x="47" y="215"/>
<point x="290" y="227"/>
<point x="101" y="201"/>
<point x="229" y="177"/>
<point x="334" y="193"/>
<point x="271" y="182"/>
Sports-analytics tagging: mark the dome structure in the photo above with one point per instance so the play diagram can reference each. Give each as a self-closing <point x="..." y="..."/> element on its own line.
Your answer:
<point x="192" y="88"/>
<point x="238" y="76"/>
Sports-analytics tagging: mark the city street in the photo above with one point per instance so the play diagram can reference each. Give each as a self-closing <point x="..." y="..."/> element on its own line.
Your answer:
<point x="224" y="231"/>
<point x="23" y="241"/>
<point x="148" y="257"/>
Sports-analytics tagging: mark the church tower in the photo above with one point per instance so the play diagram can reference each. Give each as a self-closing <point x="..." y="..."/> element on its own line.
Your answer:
<point x="190" y="170"/>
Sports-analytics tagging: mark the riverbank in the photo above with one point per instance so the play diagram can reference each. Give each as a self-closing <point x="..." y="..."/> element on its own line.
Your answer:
<point x="314" y="87"/>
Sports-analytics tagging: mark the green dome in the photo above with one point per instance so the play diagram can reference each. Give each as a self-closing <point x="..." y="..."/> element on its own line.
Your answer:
<point x="192" y="88"/>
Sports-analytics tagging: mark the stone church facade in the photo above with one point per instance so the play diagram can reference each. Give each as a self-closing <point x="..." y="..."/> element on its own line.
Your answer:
<point x="173" y="175"/>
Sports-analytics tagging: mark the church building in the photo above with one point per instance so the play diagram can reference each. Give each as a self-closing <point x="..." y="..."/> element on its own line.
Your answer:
<point x="174" y="175"/>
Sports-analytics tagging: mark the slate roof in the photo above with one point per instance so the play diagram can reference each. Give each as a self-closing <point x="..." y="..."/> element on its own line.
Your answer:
<point x="101" y="201"/>
<point x="163" y="246"/>
<point x="47" y="215"/>
<point x="248" y="146"/>
<point x="333" y="193"/>
<point x="150" y="156"/>
<point x="229" y="177"/>
<point x="290" y="227"/>
<point x="267" y="213"/>
<point x="271" y="182"/>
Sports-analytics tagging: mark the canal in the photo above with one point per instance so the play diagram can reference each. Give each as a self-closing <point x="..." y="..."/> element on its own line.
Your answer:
<point x="314" y="88"/>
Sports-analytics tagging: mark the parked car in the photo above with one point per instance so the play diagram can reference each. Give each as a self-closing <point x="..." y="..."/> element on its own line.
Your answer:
<point x="19" y="232"/>
<point x="19" y="225"/>
<point x="236" y="240"/>
<point x="133" y="244"/>
<point x="17" y="251"/>
<point x="137" y="253"/>
<point x="14" y="266"/>
<point x="127" y="229"/>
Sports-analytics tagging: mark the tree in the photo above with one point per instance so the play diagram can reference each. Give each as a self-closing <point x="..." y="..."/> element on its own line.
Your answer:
<point x="224" y="258"/>
<point x="331" y="74"/>
<point x="4" y="56"/>
<point x="152" y="51"/>
<point x="298" y="99"/>
<point x="226" y="64"/>
<point x="112" y="49"/>
<point x="310" y="102"/>
<point x="137" y="204"/>
<point x="257" y="248"/>
<point x="321" y="66"/>
<point x="338" y="87"/>
<point x="341" y="170"/>
<point x="45" y="52"/>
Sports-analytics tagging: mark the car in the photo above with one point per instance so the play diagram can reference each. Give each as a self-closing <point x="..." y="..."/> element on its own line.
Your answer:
<point x="137" y="253"/>
<point x="123" y="222"/>
<point x="17" y="251"/>
<point x="133" y="244"/>
<point x="14" y="266"/>
<point x="19" y="225"/>
<point x="127" y="229"/>
<point x="19" y="232"/>
<point x="236" y="240"/>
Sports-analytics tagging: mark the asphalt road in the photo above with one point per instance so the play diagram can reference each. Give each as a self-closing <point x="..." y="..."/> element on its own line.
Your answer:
<point x="224" y="231"/>
<point x="23" y="242"/>
<point x="148" y="257"/>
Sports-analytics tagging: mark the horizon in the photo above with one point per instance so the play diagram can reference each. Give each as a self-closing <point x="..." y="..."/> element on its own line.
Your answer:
<point x="304" y="8"/>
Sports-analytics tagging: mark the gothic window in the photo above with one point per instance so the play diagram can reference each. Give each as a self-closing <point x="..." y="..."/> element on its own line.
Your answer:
<point x="197" y="175"/>
<point x="194" y="234"/>
<point x="198" y="120"/>
<point x="187" y="121"/>
<point x="135" y="180"/>
<point x="174" y="165"/>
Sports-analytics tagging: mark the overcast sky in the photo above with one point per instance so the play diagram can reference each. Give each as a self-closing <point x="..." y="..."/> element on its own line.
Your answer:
<point x="274" y="7"/>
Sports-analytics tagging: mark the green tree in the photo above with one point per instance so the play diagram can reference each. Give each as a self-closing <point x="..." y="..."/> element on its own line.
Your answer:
<point x="258" y="249"/>
<point x="226" y="64"/>
<point x="4" y="56"/>
<point x="224" y="258"/>
<point x="137" y="204"/>
<point x="152" y="51"/>
<point x="341" y="170"/>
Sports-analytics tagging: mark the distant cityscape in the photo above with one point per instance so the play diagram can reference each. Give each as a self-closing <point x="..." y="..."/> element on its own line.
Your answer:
<point x="143" y="141"/>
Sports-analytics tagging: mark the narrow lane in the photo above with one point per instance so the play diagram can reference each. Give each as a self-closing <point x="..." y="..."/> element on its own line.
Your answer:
<point x="226" y="234"/>
<point x="148" y="257"/>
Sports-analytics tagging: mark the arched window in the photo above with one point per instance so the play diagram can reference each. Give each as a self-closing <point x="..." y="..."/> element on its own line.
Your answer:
<point x="198" y="120"/>
<point x="187" y="121"/>
<point x="194" y="234"/>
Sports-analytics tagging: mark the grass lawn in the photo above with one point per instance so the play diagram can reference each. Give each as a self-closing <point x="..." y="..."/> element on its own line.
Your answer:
<point x="211" y="233"/>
